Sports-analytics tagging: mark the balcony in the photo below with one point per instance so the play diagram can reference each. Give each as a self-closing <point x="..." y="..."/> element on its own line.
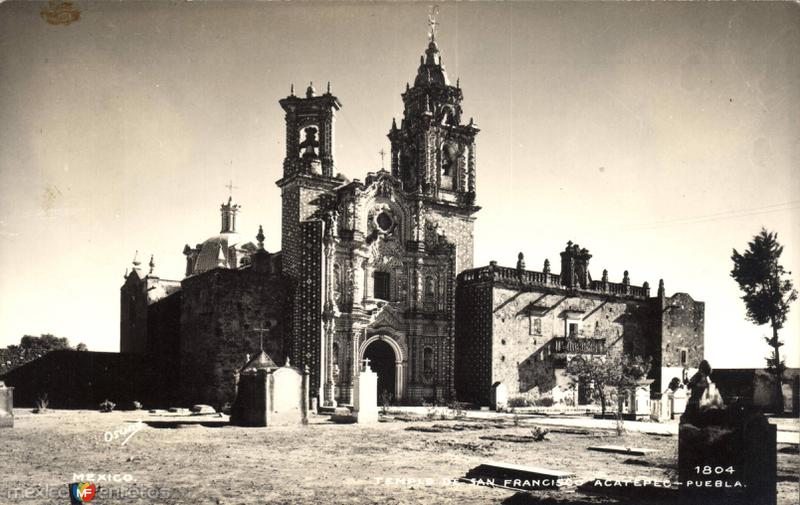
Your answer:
<point x="572" y="345"/>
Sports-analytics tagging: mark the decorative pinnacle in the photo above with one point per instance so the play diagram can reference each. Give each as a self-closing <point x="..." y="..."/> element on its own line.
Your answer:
<point x="260" y="237"/>
<point x="292" y="89"/>
<point x="136" y="261"/>
<point x="329" y="87"/>
<point x="152" y="263"/>
<point x="383" y="155"/>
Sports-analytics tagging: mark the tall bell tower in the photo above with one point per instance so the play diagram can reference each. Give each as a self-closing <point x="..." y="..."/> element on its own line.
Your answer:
<point x="434" y="153"/>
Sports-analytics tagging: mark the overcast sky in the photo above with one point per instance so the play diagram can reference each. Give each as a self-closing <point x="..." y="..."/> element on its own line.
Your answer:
<point x="658" y="135"/>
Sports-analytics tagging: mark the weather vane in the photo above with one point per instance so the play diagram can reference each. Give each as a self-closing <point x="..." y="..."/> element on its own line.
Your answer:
<point x="432" y="22"/>
<point x="382" y="153"/>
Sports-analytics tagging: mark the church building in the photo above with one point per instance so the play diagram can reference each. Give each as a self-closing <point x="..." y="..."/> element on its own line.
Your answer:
<point x="381" y="271"/>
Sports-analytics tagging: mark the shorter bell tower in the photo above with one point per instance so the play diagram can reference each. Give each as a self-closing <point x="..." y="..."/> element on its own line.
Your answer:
<point x="309" y="132"/>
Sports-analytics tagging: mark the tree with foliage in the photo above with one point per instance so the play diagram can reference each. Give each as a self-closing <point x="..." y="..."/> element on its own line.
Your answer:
<point x="604" y="373"/>
<point x="31" y="348"/>
<point x="768" y="293"/>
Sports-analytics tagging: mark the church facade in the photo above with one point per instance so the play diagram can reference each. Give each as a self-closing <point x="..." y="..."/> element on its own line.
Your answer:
<point x="381" y="271"/>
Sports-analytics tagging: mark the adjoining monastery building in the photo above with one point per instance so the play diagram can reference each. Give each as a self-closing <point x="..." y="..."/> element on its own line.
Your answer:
<point x="382" y="269"/>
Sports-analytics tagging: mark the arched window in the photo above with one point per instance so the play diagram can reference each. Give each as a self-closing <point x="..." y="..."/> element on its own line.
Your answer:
<point x="427" y="360"/>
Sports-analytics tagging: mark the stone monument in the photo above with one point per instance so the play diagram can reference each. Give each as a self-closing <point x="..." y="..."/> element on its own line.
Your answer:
<point x="269" y="395"/>
<point x="6" y="406"/>
<point x="366" y="395"/>
<point x="728" y="455"/>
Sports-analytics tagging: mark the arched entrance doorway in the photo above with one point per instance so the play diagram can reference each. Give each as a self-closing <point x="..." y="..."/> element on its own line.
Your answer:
<point x="382" y="361"/>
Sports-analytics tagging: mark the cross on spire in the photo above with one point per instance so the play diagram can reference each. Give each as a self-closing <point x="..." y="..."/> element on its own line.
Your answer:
<point x="432" y="22"/>
<point x="383" y="154"/>
<point x="261" y="336"/>
<point x="231" y="187"/>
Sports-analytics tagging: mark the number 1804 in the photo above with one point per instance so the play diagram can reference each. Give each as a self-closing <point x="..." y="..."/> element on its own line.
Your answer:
<point x="713" y="470"/>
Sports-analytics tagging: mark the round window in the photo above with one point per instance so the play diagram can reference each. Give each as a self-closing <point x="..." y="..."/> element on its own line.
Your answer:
<point x="384" y="222"/>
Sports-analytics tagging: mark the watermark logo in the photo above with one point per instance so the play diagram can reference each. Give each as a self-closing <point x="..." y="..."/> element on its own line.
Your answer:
<point x="125" y="433"/>
<point x="81" y="492"/>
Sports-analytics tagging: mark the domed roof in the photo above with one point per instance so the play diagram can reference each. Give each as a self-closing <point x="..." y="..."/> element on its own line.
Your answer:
<point x="214" y="251"/>
<point x="431" y="70"/>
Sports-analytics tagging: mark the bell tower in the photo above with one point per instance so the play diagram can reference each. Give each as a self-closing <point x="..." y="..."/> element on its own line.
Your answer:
<point x="433" y="155"/>
<point x="433" y="151"/>
<point x="308" y="167"/>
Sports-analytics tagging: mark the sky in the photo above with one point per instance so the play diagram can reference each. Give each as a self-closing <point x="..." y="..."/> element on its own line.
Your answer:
<point x="660" y="136"/>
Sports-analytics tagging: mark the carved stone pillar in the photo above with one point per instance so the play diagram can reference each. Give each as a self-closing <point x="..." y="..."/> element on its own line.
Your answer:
<point x="357" y="275"/>
<point x="471" y="169"/>
<point x="328" y="318"/>
<point x="368" y="281"/>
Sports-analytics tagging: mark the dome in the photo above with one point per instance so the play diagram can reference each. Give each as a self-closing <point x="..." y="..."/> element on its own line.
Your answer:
<point x="214" y="252"/>
<point x="431" y="70"/>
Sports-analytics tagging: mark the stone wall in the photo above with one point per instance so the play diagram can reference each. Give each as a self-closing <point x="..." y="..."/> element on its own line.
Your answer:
<point x="163" y="338"/>
<point x="133" y="315"/>
<point x="683" y="328"/>
<point x="221" y="310"/>
<point x="519" y="339"/>
<point x="83" y="379"/>
<point x="136" y="295"/>
<point x="459" y="230"/>
<point x="516" y="327"/>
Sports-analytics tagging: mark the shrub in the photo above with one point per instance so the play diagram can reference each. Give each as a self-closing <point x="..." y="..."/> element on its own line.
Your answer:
<point x="107" y="405"/>
<point x="539" y="433"/>
<point x="41" y="404"/>
<point x="546" y="401"/>
<point x="457" y="408"/>
<point x="518" y="401"/>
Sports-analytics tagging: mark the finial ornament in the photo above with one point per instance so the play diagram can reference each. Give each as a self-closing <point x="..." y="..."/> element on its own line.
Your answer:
<point x="292" y="90"/>
<point x="383" y="155"/>
<point x="329" y="87"/>
<point x="152" y="263"/>
<point x="520" y="261"/>
<point x="546" y="266"/>
<point x="310" y="90"/>
<point x="260" y="237"/>
<point x="136" y="261"/>
<point x="433" y="23"/>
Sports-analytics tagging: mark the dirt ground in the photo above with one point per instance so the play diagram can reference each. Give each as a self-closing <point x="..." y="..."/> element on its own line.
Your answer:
<point x="323" y="463"/>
